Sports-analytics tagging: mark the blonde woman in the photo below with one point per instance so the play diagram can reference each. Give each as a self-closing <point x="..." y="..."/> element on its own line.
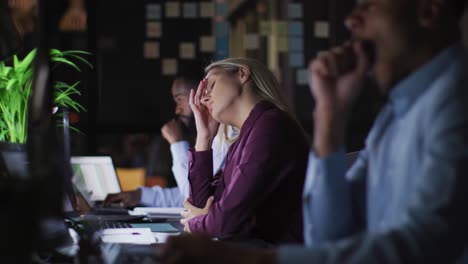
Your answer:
<point x="257" y="196"/>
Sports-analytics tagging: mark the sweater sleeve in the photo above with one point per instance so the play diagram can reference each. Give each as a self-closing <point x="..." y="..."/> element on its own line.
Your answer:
<point x="200" y="177"/>
<point x="254" y="178"/>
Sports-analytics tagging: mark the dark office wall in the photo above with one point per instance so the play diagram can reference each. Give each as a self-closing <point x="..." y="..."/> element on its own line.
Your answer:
<point x="131" y="93"/>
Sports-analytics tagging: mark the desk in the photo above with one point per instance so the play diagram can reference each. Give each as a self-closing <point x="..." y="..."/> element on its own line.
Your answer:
<point x="93" y="251"/>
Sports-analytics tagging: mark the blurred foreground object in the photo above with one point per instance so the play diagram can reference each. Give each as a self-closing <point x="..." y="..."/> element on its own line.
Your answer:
<point x="9" y="38"/>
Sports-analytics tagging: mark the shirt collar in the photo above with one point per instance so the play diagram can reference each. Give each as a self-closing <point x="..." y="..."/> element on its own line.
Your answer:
<point x="405" y="93"/>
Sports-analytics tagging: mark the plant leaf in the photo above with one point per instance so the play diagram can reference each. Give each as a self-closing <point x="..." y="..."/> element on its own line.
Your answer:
<point x="55" y="52"/>
<point x="11" y="84"/>
<point x="15" y="90"/>
<point x="15" y="61"/>
<point x="65" y="61"/>
<point x="68" y="52"/>
<point x="26" y="63"/>
<point x="82" y="60"/>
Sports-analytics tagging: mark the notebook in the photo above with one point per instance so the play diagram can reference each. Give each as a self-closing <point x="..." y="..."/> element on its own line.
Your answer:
<point x="129" y="236"/>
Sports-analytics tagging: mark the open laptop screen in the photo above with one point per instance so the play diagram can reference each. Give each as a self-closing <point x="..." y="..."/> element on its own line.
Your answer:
<point x="94" y="177"/>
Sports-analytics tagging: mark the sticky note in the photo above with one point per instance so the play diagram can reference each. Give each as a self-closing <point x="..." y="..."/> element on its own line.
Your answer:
<point x="153" y="29"/>
<point x="189" y="10"/>
<point x="151" y="50"/>
<point x="321" y="29"/>
<point x="265" y="28"/>
<point x="207" y="44"/>
<point x="153" y="11"/>
<point x="296" y="44"/>
<point x="282" y="44"/>
<point x="251" y="41"/>
<point x="280" y="27"/>
<point x="207" y="9"/>
<point x="222" y="47"/>
<point x="296" y="59"/>
<point x="295" y="28"/>
<point x="294" y="10"/>
<point x="187" y="50"/>
<point x="221" y="9"/>
<point x="222" y="28"/>
<point x="169" y="66"/>
<point x="302" y="77"/>
<point x="172" y="9"/>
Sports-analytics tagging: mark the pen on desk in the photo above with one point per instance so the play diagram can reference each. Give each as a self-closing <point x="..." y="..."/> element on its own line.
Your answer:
<point x="123" y="234"/>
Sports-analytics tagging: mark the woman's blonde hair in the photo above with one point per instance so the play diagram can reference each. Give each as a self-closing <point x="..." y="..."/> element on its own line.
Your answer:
<point x="265" y="84"/>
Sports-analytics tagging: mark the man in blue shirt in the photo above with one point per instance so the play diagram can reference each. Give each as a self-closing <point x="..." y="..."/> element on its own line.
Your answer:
<point x="405" y="200"/>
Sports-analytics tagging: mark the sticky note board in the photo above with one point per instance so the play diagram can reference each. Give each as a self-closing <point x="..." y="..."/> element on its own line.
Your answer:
<point x="169" y="66"/>
<point x="153" y="29"/>
<point x="187" y="50"/>
<point x="172" y="9"/>
<point x="151" y="50"/>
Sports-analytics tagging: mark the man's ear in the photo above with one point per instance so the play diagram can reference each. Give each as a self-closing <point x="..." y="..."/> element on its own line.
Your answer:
<point x="244" y="74"/>
<point x="431" y="13"/>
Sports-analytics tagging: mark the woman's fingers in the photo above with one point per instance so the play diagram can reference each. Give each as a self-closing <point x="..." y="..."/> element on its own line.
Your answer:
<point x="188" y="205"/>
<point x="193" y="106"/>
<point x="184" y="213"/>
<point x="191" y="95"/>
<point x="199" y="93"/>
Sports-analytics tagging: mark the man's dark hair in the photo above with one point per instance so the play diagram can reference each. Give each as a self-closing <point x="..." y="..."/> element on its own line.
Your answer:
<point x="191" y="73"/>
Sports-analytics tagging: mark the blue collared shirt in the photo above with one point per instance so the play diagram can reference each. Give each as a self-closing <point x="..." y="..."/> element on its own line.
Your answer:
<point x="405" y="198"/>
<point x="157" y="196"/>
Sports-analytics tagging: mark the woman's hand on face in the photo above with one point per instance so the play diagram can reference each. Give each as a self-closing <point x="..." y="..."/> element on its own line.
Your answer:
<point x="192" y="211"/>
<point x="207" y="126"/>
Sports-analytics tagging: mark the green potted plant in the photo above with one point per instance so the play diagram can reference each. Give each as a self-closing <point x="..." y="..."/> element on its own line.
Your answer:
<point x="15" y="90"/>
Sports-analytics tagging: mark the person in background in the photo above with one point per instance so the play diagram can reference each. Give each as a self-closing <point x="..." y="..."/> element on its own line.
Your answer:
<point x="178" y="132"/>
<point x="257" y="197"/>
<point x="406" y="197"/>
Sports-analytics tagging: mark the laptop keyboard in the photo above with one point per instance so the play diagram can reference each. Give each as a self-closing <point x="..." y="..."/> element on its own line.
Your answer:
<point x="111" y="224"/>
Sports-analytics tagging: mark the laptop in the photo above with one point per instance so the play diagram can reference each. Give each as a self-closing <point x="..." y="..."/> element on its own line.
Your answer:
<point x="94" y="177"/>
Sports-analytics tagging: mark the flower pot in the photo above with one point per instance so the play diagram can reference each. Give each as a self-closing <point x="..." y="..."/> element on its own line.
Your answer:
<point x="13" y="160"/>
<point x="19" y="221"/>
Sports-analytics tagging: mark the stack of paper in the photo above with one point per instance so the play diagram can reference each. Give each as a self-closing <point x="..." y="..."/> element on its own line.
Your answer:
<point x="142" y="236"/>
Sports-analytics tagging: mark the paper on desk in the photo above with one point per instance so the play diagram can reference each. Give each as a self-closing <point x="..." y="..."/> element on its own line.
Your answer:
<point x="142" y="236"/>
<point x="157" y="210"/>
<point x="162" y="237"/>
